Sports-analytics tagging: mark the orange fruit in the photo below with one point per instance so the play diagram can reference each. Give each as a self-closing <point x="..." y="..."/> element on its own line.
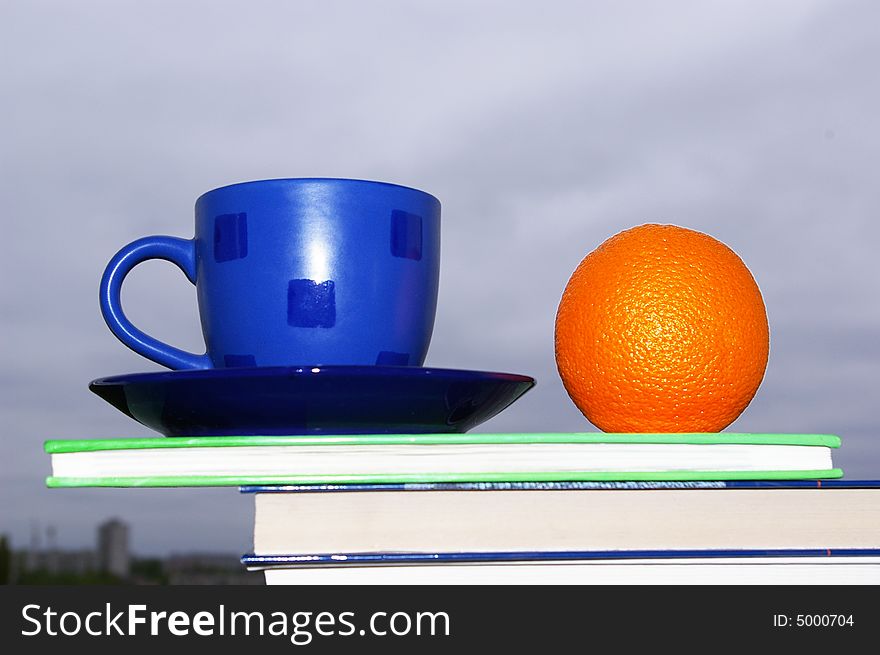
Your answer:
<point x="662" y="329"/>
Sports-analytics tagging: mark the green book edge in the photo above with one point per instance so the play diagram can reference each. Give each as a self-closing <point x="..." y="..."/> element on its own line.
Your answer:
<point x="90" y="445"/>
<point x="590" y="476"/>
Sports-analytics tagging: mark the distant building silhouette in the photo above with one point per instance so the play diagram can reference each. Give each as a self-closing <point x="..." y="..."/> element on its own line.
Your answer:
<point x="113" y="554"/>
<point x="112" y="562"/>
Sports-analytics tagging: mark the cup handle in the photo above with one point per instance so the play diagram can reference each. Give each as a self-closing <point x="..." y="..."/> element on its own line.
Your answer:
<point x="177" y="251"/>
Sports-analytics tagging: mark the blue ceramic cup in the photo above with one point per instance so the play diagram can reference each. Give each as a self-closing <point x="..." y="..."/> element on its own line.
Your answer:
<point x="298" y="272"/>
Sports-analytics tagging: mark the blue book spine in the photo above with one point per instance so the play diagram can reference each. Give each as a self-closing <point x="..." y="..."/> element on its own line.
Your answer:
<point x="566" y="486"/>
<point x="362" y="559"/>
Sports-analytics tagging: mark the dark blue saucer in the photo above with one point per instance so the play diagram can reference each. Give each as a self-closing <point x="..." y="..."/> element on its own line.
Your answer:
<point x="311" y="400"/>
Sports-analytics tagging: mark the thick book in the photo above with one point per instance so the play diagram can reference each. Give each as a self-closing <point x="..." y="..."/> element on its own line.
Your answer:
<point x="669" y="517"/>
<point x="592" y="567"/>
<point x="438" y="458"/>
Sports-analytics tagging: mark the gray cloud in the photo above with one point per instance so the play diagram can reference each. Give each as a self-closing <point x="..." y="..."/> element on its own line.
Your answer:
<point x="542" y="129"/>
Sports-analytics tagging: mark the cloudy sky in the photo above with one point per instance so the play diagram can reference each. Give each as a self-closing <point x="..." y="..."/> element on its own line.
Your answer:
<point x="544" y="128"/>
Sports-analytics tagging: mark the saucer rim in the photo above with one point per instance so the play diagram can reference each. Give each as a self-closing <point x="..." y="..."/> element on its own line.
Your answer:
<point x="329" y="370"/>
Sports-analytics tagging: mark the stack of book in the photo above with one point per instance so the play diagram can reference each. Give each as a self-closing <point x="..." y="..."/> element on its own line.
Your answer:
<point x="521" y="508"/>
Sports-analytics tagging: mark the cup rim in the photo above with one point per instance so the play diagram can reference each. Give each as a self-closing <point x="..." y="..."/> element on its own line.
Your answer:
<point x="315" y="179"/>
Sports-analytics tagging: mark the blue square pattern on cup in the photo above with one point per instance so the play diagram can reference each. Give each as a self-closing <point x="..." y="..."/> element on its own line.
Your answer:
<point x="238" y="361"/>
<point x="406" y="235"/>
<point x="389" y="358"/>
<point x="230" y="237"/>
<point x="311" y="304"/>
